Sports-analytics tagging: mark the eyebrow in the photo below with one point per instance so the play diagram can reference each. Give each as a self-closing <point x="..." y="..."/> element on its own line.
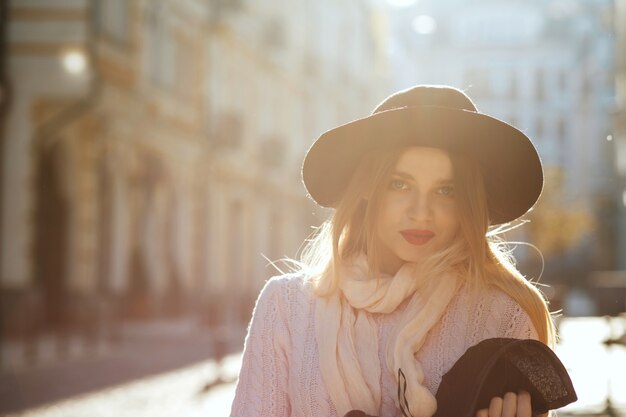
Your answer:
<point x="408" y="176"/>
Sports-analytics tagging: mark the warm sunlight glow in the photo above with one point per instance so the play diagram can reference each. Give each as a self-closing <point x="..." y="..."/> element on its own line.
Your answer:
<point x="401" y="3"/>
<point x="424" y="25"/>
<point x="74" y="62"/>
<point x="583" y="337"/>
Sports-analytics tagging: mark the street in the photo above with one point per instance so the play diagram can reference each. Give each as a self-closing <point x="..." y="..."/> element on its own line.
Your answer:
<point x="178" y="393"/>
<point x="206" y="388"/>
<point x="165" y="369"/>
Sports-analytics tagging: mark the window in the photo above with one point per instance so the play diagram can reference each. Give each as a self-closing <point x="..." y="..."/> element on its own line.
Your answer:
<point x="539" y="128"/>
<point x="563" y="81"/>
<point x="539" y="84"/>
<point x="113" y="17"/>
<point x="236" y="247"/>
<point x="561" y="130"/>
<point x="500" y="83"/>
<point x="275" y="236"/>
<point x="228" y="130"/>
<point x="160" y="48"/>
<point x="185" y="70"/>
<point x="272" y="151"/>
<point x="513" y="87"/>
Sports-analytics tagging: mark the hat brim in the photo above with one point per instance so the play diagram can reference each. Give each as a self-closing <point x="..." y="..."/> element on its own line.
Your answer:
<point x="510" y="163"/>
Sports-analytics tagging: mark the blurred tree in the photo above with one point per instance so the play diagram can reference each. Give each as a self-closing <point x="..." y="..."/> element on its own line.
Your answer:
<point x="556" y="226"/>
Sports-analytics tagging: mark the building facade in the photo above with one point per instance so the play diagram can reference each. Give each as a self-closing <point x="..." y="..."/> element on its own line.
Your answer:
<point x="620" y="129"/>
<point x="546" y="67"/>
<point x="152" y="152"/>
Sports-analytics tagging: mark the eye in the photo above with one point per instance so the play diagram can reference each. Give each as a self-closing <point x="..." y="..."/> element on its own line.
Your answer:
<point x="398" y="185"/>
<point x="447" y="190"/>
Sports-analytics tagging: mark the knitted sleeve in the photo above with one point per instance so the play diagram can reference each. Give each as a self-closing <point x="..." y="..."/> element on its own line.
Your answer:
<point x="508" y="319"/>
<point x="262" y="385"/>
<point x="472" y="317"/>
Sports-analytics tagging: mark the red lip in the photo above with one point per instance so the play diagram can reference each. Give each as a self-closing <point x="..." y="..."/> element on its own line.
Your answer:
<point x="417" y="237"/>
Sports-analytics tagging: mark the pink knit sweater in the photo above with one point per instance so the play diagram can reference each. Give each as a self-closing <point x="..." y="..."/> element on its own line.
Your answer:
<point x="280" y="375"/>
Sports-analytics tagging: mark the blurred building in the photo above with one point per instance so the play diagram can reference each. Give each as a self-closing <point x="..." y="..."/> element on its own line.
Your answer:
<point x="620" y="129"/>
<point x="281" y="73"/>
<point x="611" y="283"/>
<point x="546" y="67"/>
<point x="152" y="150"/>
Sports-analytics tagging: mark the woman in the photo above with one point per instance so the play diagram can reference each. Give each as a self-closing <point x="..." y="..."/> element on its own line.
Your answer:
<point x="404" y="277"/>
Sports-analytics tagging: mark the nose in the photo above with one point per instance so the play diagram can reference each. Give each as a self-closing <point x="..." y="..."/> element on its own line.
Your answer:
<point x="420" y="208"/>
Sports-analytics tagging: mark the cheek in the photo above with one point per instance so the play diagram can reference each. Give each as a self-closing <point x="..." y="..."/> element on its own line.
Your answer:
<point x="383" y="221"/>
<point x="388" y="214"/>
<point x="395" y="204"/>
<point x="449" y="216"/>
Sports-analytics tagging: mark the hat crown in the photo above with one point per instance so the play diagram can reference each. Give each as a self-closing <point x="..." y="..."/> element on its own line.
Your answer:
<point x="431" y="116"/>
<point x="427" y="95"/>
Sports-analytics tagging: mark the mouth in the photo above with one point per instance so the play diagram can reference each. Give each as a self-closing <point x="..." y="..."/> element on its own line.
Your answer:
<point x="417" y="237"/>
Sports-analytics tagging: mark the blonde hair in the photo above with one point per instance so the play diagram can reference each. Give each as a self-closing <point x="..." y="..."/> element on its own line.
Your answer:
<point x="484" y="260"/>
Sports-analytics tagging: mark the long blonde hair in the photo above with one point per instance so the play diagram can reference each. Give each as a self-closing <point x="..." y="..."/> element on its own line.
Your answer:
<point x="484" y="260"/>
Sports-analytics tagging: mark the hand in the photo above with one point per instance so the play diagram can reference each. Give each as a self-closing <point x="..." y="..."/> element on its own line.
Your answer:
<point x="512" y="405"/>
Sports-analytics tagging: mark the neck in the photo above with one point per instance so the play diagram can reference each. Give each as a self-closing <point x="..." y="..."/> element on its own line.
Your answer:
<point x="391" y="269"/>
<point x="390" y="263"/>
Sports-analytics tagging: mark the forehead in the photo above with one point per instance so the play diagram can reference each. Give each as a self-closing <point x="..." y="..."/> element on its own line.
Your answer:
<point x="422" y="161"/>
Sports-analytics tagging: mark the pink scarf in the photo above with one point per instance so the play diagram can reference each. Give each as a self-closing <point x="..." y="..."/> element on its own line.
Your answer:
<point x="347" y="335"/>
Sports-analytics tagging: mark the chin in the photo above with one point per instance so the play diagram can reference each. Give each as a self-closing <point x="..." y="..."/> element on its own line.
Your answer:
<point x="413" y="258"/>
<point x="416" y="256"/>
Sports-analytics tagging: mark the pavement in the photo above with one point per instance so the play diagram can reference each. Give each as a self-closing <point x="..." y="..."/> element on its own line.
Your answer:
<point x="160" y="371"/>
<point x="172" y="394"/>
<point x="169" y="372"/>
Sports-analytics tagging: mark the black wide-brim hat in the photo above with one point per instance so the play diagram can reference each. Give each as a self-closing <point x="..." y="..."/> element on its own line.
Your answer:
<point x="496" y="366"/>
<point x="431" y="116"/>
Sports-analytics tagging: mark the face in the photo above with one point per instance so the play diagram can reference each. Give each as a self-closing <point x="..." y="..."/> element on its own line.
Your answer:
<point x="418" y="212"/>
